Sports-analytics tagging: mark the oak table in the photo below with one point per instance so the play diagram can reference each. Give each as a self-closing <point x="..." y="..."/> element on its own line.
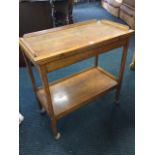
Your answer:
<point x="56" y="48"/>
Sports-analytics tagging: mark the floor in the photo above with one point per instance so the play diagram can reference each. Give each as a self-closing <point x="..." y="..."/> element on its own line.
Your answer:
<point x="99" y="128"/>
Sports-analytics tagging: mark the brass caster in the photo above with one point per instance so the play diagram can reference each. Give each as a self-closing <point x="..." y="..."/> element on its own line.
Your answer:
<point x="42" y="111"/>
<point x="58" y="136"/>
<point x="132" y="66"/>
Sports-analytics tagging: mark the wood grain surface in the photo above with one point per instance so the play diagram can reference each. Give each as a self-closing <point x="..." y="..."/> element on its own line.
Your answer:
<point x="73" y="92"/>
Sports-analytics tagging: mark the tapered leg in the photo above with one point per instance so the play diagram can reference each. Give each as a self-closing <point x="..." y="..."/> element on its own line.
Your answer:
<point x="29" y="68"/>
<point x="44" y="78"/>
<point x="122" y="67"/>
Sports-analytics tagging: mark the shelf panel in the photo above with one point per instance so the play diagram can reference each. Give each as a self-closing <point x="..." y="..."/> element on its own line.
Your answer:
<point x="75" y="91"/>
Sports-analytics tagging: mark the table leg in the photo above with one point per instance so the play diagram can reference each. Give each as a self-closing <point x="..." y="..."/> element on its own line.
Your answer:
<point x="96" y="60"/>
<point x="44" y="78"/>
<point x="121" y="72"/>
<point x="29" y="68"/>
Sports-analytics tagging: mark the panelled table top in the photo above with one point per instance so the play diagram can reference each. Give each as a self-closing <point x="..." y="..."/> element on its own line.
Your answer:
<point x="62" y="41"/>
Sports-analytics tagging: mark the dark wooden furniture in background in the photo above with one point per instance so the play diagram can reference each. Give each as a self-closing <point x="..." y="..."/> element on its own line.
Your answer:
<point x="33" y="16"/>
<point x="59" y="47"/>
<point x="38" y="15"/>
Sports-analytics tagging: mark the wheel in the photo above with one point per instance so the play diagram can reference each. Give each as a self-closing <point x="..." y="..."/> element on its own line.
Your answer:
<point x="21" y="118"/>
<point x="58" y="136"/>
<point x="132" y="66"/>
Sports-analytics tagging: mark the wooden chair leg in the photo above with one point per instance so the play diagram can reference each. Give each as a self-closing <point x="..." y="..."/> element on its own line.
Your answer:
<point x="122" y="67"/>
<point x="44" y="78"/>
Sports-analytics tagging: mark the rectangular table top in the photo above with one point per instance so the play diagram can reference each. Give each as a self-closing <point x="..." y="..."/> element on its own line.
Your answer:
<point x="62" y="41"/>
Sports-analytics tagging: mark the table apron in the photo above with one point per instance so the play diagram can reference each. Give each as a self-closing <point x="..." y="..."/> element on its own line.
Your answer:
<point x="68" y="60"/>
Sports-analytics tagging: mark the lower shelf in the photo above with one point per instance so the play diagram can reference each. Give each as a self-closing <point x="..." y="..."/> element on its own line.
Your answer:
<point x="71" y="93"/>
